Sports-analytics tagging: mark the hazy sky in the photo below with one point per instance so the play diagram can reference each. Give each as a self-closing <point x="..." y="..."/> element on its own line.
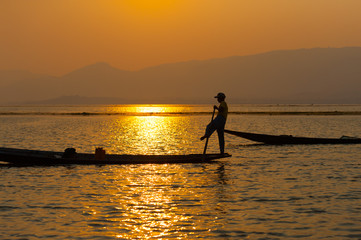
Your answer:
<point x="58" y="36"/>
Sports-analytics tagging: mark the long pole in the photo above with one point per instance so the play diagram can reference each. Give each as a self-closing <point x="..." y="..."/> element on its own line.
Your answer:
<point x="205" y="147"/>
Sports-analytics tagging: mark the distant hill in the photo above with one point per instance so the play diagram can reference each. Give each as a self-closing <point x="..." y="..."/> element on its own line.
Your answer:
<point x="320" y="75"/>
<point x="10" y="77"/>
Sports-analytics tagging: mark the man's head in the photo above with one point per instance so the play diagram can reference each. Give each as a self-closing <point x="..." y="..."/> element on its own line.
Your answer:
<point x="220" y="97"/>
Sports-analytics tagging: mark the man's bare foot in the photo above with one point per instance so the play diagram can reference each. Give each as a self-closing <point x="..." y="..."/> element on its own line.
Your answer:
<point x="202" y="138"/>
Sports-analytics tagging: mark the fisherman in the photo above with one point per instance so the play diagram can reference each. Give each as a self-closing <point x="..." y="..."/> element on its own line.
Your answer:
<point x="219" y="122"/>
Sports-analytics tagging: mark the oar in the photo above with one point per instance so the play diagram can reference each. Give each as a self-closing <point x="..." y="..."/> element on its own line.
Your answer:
<point x="205" y="147"/>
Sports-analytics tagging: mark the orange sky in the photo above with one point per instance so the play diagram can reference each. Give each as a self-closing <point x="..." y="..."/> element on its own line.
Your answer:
<point x="58" y="36"/>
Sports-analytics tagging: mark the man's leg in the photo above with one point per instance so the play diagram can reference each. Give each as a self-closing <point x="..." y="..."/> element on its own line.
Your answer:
<point x="209" y="130"/>
<point x="220" y="132"/>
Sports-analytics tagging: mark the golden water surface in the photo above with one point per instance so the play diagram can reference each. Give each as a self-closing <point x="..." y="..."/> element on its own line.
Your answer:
<point x="261" y="192"/>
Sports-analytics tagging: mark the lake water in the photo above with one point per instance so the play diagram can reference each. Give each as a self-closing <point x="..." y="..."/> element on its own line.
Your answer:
<point x="261" y="192"/>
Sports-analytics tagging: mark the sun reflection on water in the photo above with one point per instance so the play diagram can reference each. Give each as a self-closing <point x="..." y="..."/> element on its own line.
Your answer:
<point x="157" y="201"/>
<point x="150" y="135"/>
<point x="149" y="109"/>
<point x="146" y="134"/>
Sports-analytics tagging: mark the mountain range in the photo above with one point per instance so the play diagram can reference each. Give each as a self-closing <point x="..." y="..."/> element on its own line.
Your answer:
<point x="318" y="75"/>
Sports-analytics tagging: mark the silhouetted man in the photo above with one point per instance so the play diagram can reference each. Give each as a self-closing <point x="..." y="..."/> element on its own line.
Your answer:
<point x="219" y="122"/>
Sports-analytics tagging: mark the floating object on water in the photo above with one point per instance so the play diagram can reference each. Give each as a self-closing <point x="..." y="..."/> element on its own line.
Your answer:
<point x="289" y="139"/>
<point x="35" y="157"/>
<point x="99" y="154"/>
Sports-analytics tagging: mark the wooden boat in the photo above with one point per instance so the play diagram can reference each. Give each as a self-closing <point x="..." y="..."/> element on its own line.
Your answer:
<point x="35" y="157"/>
<point x="289" y="139"/>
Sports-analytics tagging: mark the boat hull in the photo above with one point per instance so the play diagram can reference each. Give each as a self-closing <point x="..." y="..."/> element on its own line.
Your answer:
<point x="35" y="157"/>
<point x="288" y="139"/>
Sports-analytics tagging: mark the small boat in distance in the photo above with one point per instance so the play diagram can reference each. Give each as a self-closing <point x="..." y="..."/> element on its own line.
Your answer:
<point x="289" y="139"/>
<point x="35" y="157"/>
